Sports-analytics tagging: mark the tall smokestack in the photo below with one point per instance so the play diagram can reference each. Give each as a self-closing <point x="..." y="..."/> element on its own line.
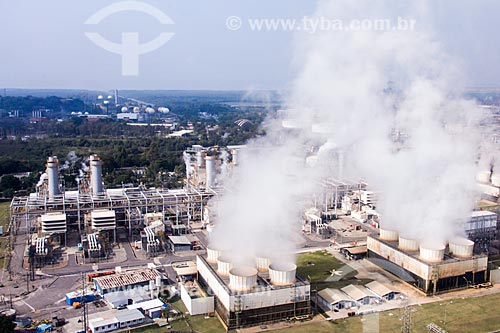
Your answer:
<point x="234" y="153"/>
<point x="200" y="159"/>
<point x="96" y="174"/>
<point x="53" y="176"/>
<point x="210" y="171"/>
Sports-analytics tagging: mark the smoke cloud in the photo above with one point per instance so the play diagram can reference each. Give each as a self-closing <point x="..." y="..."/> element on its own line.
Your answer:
<point x="386" y="106"/>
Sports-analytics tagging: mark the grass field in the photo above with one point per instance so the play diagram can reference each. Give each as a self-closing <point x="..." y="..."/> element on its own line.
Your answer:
<point x="4" y="241"/>
<point x="317" y="267"/>
<point x="4" y="215"/>
<point x="459" y="315"/>
<point x="197" y="323"/>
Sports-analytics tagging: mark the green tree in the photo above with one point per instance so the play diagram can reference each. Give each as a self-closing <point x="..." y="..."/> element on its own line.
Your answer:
<point x="6" y="324"/>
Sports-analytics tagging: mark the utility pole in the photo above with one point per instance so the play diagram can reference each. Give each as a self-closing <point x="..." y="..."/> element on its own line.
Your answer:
<point x="84" y="306"/>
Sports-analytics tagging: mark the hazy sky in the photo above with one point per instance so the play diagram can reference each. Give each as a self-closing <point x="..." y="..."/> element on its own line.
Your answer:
<point x="44" y="46"/>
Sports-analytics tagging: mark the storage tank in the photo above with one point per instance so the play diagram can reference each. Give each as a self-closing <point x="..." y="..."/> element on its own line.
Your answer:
<point x="213" y="255"/>
<point x="282" y="274"/>
<point x="224" y="265"/>
<point x="408" y="244"/>
<point x="389" y="235"/>
<point x="96" y="174"/>
<point x="242" y="278"/>
<point x="432" y="252"/>
<point x="200" y="159"/>
<point x="461" y="247"/>
<point x="53" y="176"/>
<point x="210" y="171"/>
<point x="262" y="263"/>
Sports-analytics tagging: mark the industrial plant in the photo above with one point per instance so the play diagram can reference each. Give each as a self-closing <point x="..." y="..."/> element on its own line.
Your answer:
<point x="246" y="295"/>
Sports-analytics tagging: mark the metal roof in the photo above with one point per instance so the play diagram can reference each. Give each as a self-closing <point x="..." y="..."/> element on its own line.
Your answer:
<point x="129" y="315"/>
<point x="185" y="268"/>
<point x="147" y="305"/>
<point x="357" y="249"/>
<point x="333" y="296"/>
<point x="482" y="213"/>
<point x="357" y="292"/>
<point x="379" y="288"/>
<point x="127" y="278"/>
<point x="179" y="240"/>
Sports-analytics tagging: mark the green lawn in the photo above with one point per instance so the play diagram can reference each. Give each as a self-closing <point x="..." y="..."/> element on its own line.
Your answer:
<point x="4" y="215"/>
<point x="198" y="323"/>
<point x="460" y="315"/>
<point x="317" y="267"/>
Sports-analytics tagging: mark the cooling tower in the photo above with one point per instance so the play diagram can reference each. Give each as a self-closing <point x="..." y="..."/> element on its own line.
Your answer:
<point x="213" y="255"/>
<point x="282" y="274"/>
<point x="223" y="265"/>
<point x="389" y="235"/>
<point x="53" y="176"/>
<point x="242" y="278"/>
<point x="495" y="179"/>
<point x="96" y="175"/>
<point x="210" y="171"/>
<point x="408" y="244"/>
<point x="461" y="248"/>
<point x="432" y="253"/>
<point x="262" y="263"/>
<point x="200" y="159"/>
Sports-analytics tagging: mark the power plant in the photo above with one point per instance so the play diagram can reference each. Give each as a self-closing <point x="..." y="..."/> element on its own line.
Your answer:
<point x="245" y="295"/>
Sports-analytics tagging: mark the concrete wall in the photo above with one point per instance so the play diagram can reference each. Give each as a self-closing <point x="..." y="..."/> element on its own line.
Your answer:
<point x="444" y="269"/>
<point x="196" y="306"/>
<point x="217" y="287"/>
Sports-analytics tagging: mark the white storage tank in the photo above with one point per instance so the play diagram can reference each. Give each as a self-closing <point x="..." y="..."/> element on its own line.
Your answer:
<point x="408" y="244"/>
<point x="432" y="252"/>
<point x="213" y="255"/>
<point x="242" y="278"/>
<point x="389" y="235"/>
<point x="200" y="159"/>
<point x="282" y="274"/>
<point x="234" y="155"/>
<point x="461" y="247"/>
<point x="224" y="265"/>
<point x="262" y="263"/>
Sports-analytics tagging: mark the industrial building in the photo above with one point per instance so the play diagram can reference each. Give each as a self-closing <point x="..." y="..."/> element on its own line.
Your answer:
<point x="247" y="296"/>
<point x="92" y="208"/>
<point x="333" y="299"/>
<point x="430" y="268"/>
<point x="121" y="281"/>
<point x="122" y="319"/>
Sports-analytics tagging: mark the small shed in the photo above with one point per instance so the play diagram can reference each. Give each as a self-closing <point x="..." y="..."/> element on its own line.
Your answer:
<point x="179" y="243"/>
<point x="331" y="299"/>
<point x="355" y="252"/>
<point x="361" y="294"/>
<point x="382" y="290"/>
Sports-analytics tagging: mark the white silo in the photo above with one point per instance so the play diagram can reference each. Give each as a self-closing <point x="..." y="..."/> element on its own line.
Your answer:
<point x="461" y="247"/>
<point x="210" y="171"/>
<point x="242" y="278"/>
<point x="282" y="274"/>
<point x="53" y="176"/>
<point x="389" y="235"/>
<point x="432" y="252"/>
<point x="96" y="174"/>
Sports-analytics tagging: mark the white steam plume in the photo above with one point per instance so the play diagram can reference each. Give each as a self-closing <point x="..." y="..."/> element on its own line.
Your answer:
<point x="364" y="85"/>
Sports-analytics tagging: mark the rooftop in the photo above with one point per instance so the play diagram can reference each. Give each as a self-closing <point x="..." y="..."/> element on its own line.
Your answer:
<point x="357" y="292"/>
<point x="127" y="278"/>
<point x="179" y="240"/>
<point x="129" y="315"/>
<point x="333" y="296"/>
<point x="379" y="288"/>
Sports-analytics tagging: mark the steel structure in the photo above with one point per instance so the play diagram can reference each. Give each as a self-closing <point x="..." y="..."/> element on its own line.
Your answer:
<point x="188" y="202"/>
